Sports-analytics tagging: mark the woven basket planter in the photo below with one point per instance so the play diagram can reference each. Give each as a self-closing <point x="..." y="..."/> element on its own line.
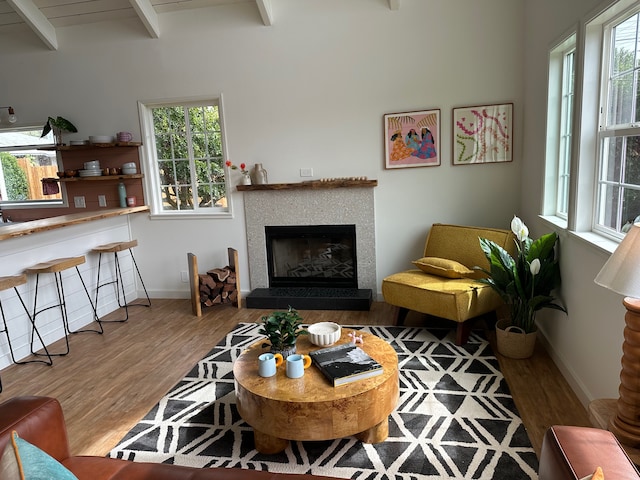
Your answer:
<point x="512" y="341"/>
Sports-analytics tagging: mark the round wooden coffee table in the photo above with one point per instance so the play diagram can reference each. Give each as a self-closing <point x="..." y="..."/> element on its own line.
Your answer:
<point x="309" y="408"/>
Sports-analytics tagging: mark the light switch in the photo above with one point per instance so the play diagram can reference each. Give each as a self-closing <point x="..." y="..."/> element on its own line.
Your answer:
<point x="79" y="202"/>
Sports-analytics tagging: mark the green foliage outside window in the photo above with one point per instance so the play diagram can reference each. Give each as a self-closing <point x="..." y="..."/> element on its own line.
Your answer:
<point x="187" y="136"/>
<point x="14" y="178"/>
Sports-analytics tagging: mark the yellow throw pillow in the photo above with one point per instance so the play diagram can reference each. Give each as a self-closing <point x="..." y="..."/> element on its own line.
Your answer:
<point x="443" y="267"/>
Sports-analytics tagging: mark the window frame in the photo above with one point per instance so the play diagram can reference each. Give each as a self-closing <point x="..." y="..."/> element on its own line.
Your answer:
<point x="149" y="161"/>
<point x="606" y="131"/>
<point x="49" y="146"/>
<point x="558" y="118"/>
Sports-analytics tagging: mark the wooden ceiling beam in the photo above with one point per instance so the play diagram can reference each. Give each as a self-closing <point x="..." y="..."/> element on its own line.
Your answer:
<point x="36" y="21"/>
<point x="266" y="12"/>
<point x="148" y="16"/>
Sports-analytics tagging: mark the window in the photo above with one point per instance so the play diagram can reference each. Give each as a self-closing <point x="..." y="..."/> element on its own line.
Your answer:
<point x="23" y="166"/>
<point x="560" y="127"/>
<point x="566" y="128"/>
<point x="618" y="182"/>
<point x="184" y="155"/>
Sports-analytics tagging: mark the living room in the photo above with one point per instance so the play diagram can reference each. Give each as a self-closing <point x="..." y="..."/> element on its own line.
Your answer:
<point x="310" y="91"/>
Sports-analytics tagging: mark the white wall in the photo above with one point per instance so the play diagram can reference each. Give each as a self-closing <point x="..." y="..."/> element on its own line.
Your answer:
<point x="587" y="343"/>
<point x="310" y="91"/>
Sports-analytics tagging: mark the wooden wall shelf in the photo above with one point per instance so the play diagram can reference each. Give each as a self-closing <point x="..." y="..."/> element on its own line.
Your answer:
<point x="64" y="148"/>
<point x="100" y="178"/>
<point x="312" y="185"/>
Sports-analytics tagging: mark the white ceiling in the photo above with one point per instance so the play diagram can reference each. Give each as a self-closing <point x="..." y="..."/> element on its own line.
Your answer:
<point x="45" y="17"/>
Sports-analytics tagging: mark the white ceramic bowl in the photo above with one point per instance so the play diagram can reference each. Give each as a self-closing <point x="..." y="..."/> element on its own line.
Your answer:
<point x="324" y="334"/>
<point x="101" y="139"/>
<point x="129" y="171"/>
<point x="92" y="165"/>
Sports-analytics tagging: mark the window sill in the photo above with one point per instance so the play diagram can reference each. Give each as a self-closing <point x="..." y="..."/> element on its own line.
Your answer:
<point x="598" y="242"/>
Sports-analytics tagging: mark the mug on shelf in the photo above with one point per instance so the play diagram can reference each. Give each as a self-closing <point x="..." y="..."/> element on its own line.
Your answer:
<point x="267" y="364"/>
<point x="296" y="365"/>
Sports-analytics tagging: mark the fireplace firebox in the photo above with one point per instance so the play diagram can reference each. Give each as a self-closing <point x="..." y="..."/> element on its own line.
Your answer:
<point x="311" y="267"/>
<point x="312" y="256"/>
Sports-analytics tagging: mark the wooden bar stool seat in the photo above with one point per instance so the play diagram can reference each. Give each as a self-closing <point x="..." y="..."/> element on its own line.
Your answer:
<point x="14" y="282"/>
<point x="57" y="266"/>
<point x="117" y="281"/>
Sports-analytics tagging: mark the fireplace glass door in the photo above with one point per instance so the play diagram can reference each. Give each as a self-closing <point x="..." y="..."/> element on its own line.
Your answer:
<point x="312" y="256"/>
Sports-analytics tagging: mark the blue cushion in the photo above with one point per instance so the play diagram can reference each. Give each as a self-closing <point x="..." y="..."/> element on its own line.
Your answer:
<point x="23" y="461"/>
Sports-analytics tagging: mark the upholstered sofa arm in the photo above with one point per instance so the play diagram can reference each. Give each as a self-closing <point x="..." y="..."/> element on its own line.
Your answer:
<point x="572" y="453"/>
<point x="39" y="421"/>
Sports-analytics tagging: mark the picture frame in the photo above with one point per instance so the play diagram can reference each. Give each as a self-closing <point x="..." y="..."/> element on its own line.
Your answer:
<point x="412" y="139"/>
<point x="482" y="134"/>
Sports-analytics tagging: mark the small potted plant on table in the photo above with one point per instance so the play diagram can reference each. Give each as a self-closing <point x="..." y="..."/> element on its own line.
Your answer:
<point x="282" y="329"/>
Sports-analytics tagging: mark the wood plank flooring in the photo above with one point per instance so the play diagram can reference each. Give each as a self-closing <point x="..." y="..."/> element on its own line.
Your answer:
<point x="109" y="382"/>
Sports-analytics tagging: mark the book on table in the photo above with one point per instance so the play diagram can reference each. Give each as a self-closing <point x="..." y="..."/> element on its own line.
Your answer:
<point x="345" y="363"/>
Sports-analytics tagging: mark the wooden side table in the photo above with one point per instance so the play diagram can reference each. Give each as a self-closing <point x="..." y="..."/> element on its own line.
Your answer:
<point x="309" y="408"/>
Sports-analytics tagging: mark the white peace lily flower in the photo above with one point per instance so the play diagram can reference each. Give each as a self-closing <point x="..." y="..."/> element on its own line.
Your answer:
<point x="534" y="267"/>
<point x="519" y="229"/>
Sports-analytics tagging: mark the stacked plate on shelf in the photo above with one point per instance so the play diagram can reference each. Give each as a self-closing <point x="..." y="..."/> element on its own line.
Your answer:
<point x="91" y="169"/>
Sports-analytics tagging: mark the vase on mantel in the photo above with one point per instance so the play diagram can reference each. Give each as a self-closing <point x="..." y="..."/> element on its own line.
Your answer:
<point x="259" y="175"/>
<point x="246" y="179"/>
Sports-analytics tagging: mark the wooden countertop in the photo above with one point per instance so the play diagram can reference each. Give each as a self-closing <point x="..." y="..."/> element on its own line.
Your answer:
<point x="18" y="229"/>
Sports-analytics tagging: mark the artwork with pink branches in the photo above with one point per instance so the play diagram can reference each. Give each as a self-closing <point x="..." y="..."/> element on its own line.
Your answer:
<point x="483" y="134"/>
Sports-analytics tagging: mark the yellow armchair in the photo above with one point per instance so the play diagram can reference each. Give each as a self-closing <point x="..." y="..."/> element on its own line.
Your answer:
<point x="444" y="284"/>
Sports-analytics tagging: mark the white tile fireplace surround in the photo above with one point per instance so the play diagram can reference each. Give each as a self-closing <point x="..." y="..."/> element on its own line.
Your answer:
<point x="311" y="206"/>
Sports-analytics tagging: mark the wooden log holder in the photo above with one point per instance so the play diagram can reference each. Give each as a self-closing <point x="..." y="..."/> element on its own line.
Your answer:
<point x="218" y="286"/>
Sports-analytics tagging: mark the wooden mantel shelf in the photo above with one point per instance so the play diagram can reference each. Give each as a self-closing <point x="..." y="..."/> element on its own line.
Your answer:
<point x="312" y="185"/>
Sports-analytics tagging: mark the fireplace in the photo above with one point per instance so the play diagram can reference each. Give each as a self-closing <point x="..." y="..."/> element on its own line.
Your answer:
<point x="312" y="256"/>
<point x="312" y="267"/>
<point x="316" y="204"/>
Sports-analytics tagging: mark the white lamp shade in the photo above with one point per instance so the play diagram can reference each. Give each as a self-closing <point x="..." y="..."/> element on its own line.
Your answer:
<point x="621" y="273"/>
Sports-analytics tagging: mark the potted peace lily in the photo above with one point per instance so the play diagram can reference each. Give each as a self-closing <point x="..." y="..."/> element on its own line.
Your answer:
<point x="282" y="329"/>
<point x="525" y="283"/>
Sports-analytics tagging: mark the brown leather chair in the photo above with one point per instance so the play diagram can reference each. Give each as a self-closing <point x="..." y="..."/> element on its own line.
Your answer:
<point x="39" y="421"/>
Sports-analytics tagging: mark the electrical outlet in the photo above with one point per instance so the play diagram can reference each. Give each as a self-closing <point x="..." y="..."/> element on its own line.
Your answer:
<point x="102" y="201"/>
<point x="184" y="276"/>
<point x="79" y="202"/>
<point x="306" y="172"/>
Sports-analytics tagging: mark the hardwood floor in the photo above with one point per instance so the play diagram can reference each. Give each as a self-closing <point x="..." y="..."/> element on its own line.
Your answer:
<point x="109" y="382"/>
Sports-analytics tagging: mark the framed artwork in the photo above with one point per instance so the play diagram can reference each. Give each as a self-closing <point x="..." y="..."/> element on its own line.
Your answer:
<point x="483" y="134"/>
<point x="412" y="139"/>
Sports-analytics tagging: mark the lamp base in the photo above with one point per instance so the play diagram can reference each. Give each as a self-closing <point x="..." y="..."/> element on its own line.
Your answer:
<point x="602" y="413"/>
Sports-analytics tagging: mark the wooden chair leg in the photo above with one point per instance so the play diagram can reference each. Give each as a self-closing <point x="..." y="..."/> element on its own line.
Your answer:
<point x="462" y="332"/>
<point x="401" y="315"/>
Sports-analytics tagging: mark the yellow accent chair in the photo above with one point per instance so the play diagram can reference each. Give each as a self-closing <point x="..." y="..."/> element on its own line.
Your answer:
<point x="444" y="284"/>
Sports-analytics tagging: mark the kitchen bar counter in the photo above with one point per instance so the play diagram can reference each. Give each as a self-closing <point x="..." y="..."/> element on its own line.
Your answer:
<point x="12" y="230"/>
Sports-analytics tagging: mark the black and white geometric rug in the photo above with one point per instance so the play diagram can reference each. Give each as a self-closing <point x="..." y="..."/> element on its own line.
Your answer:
<point x="455" y="419"/>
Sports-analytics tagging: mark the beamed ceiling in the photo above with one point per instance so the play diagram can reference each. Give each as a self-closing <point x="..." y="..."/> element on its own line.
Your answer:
<point x="45" y="17"/>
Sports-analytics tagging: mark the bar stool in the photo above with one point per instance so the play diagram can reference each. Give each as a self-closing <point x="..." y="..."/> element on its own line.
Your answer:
<point x="114" y="248"/>
<point x="13" y="282"/>
<point x="57" y="266"/>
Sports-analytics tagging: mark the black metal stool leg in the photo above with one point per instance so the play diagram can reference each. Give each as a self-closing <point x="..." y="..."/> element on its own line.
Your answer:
<point x="93" y="307"/>
<point x="119" y="286"/>
<point x="135" y="264"/>
<point x="37" y="312"/>
<point x="34" y="331"/>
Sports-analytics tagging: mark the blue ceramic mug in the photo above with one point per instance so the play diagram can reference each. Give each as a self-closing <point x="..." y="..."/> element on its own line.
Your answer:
<point x="296" y="365"/>
<point x="267" y="364"/>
